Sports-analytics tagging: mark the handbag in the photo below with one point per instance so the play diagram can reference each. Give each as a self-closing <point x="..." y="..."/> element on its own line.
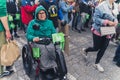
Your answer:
<point x="9" y="53"/>
<point x="107" y="30"/>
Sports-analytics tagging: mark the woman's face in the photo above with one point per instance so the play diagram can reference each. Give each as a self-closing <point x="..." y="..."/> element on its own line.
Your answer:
<point x="41" y="15"/>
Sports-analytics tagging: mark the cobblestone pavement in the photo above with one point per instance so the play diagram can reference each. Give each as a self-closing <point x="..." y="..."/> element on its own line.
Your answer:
<point x="78" y="69"/>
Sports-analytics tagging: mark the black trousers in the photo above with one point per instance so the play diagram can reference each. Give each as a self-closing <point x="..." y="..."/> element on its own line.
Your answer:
<point x="75" y="20"/>
<point x="117" y="55"/>
<point x="100" y="44"/>
<point x="15" y="22"/>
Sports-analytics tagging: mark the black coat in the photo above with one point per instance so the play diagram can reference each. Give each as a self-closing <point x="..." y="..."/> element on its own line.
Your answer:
<point x="84" y="8"/>
<point x="11" y="8"/>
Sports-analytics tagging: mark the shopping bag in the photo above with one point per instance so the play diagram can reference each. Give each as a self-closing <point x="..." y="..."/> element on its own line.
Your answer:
<point x="9" y="53"/>
<point x="107" y="30"/>
<point x="59" y="37"/>
<point x="36" y="52"/>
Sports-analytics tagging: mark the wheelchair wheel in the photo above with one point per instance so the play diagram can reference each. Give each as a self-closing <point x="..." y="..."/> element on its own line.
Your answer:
<point x="27" y="59"/>
<point x="65" y="78"/>
<point x="37" y="77"/>
<point x="62" y="69"/>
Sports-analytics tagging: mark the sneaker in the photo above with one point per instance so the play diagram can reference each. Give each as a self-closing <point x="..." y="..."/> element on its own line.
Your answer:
<point x="115" y="59"/>
<point x="79" y="31"/>
<point x="99" y="67"/>
<point x="83" y="30"/>
<point x="6" y="73"/>
<point x="84" y="54"/>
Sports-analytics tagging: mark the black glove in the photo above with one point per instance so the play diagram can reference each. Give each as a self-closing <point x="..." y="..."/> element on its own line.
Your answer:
<point x="44" y="41"/>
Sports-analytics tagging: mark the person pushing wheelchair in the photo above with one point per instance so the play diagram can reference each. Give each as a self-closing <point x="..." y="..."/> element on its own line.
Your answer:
<point x="39" y="28"/>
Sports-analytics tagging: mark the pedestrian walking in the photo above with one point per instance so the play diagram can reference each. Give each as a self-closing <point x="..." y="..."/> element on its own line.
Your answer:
<point x="105" y="14"/>
<point x="27" y="11"/>
<point x="4" y="34"/>
<point x="13" y="11"/>
<point x="54" y="12"/>
<point x="76" y="16"/>
<point x="66" y="8"/>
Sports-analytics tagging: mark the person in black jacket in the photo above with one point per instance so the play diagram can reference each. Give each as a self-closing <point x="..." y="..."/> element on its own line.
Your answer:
<point x="85" y="10"/>
<point x="54" y="12"/>
<point x="12" y="10"/>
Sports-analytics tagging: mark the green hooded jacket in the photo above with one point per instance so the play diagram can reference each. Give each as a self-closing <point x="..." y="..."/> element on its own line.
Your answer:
<point x="3" y="12"/>
<point x="45" y="28"/>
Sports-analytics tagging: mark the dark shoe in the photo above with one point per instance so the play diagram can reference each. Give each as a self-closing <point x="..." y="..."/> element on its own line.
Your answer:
<point x="76" y="28"/>
<point x="16" y="36"/>
<point x="115" y="60"/>
<point x="79" y="31"/>
<point x="6" y="73"/>
<point x="83" y="30"/>
<point x="72" y="28"/>
<point x="118" y="64"/>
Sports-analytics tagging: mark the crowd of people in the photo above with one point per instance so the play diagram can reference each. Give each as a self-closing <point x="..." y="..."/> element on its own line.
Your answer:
<point x="59" y="16"/>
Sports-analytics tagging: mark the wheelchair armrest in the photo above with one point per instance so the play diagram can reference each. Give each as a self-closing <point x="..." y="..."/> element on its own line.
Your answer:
<point x="44" y="41"/>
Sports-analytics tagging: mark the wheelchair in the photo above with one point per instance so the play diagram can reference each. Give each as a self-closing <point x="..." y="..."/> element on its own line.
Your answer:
<point x="31" y="63"/>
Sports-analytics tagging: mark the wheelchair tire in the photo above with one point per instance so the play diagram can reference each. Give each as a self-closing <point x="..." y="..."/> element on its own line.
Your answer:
<point x="27" y="59"/>
<point x="62" y="69"/>
<point x="37" y="77"/>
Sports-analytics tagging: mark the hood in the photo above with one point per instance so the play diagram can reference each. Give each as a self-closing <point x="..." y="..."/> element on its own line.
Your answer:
<point x="39" y="8"/>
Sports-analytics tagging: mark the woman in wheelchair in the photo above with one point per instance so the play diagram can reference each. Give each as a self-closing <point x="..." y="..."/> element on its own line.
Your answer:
<point x="39" y="33"/>
<point x="39" y="28"/>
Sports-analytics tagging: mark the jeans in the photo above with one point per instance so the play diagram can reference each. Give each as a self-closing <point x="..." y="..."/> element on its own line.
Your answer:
<point x="76" y="20"/>
<point x="100" y="44"/>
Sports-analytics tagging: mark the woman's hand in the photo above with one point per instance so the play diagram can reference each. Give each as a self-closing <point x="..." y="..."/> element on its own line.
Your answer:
<point x="73" y="4"/>
<point x="115" y="23"/>
<point x="73" y="11"/>
<point x="8" y="34"/>
<point x="36" y="39"/>
<point x="111" y="23"/>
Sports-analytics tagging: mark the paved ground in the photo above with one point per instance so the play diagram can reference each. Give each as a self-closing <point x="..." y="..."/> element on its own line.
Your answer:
<point x="77" y="67"/>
